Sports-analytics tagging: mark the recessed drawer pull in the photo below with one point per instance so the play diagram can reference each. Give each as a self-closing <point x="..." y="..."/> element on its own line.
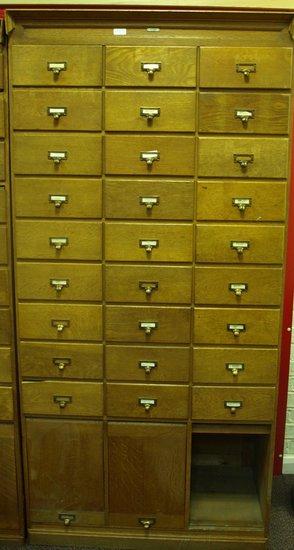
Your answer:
<point x="244" y="116"/>
<point x="58" y="200"/>
<point x="233" y="406"/>
<point x="148" y="245"/>
<point x="61" y="362"/>
<point x="149" y="202"/>
<point x="148" y="287"/>
<point x="236" y="329"/>
<point x="67" y="519"/>
<point x="243" y="160"/>
<point x="56" y="67"/>
<point x="147" y="403"/>
<point x="149" y="113"/>
<point x="151" y="68"/>
<point x="242" y="204"/>
<point x="148" y="326"/>
<point x="59" y="284"/>
<point x="57" y="156"/>
<point x="235" y="368"/>
<point x="58" y="242"/>
<point x="238" y="288"/>
<point x="240" y="246"/>
<point x="62" y="400"/>
<point x="147" y="366"/>
<point x="147" y="523"/>
<point x="246" y="69"/>
<point x="60" y="325"/>
<point x="56" y="112"/>
<point x="149" y="157"/>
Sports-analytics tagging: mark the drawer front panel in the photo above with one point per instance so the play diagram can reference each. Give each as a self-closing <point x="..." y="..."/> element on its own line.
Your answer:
<point x="3" y="214"/>
<point x="244" y="113"/>
<point x="2" y="116"/>
<point x="5" y="365"/>
<point x="150" y="111"/>
<point x="58" y="197"/>
<point x="125" y="324"/>
<point x="147" y="200"/>
<point x="147" y="364"/>
<point x="2" y="161"/>
<point x="216" y="326"/>
<point x="131" y="241"/>
<point x="55" y="359"/>
<point x="130" y="66"/>
<point x="6" y="403"/>
<point x="41" y="239"/>
<point x="57" y="110"/>
<point x="4" y="292"/>
<point x="63" y="398"/>
<point x="5" y="327"/>
<point x="237" y="366"/>
<point x="174" y="155"/>
<point x="78" y="154"/>
<point x="238" y="285"/>
<point x="221" y="243"/>
<point x="263" y="157"/>
<point x="148" y="284"/>
<point x="3" y="247"/>
<point x="249" y="201"/>
<point x="147" y="402"/>
<point x="233" y="404"/>
<point x="226" y="67"/>
<point x="51" y="281"/>
<point x="79" y="65"/>
<point x="79" y="322"/>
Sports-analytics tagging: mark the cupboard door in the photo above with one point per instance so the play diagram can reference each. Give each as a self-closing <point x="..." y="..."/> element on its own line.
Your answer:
<point x="9" y="517"/>
<point x="65" y="464"/>
<point x="146" y="469"/>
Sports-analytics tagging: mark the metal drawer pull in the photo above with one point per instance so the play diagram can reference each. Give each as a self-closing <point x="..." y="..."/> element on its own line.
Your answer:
<point x="147" y="366"/>
<point x="238" y="288"/>
<point x="61" y="362"/>
<point x="147" y="403"/>
<point x="58" y="242"/>
<point x="57" y="156"/>
<point x="151" y="68"/>
<point x="240" y="246"/>
<point x="236" y="329"/>
<point x="66" y="518"/>
<point x="233" y="406"/>
<point x="58" y="200"/>
<point x="148" y="287"/>
<point x="242" y="204"/>
<point x="56" y="67"/>
<point x="148" y="326"/>
<point x="56" y="112"/>
<point x="62" y="400"/>
<point x="148" y="245"/>
<point x="149" y="157"/>
<point x="149" y="112"/>
<point x="60" y="325"/>
<point x="243" y="160"/>
<point x="147" y="523"/>
<point x="246" y="69"/>
<point x="244" y="116"/>
<point x="149" y="202"/>
<point x="235" y="368"/>
<point x="59" y="284"/>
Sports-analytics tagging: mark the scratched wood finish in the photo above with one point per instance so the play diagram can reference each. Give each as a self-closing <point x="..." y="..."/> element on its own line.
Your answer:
<point x="3" y="213"/>
<point x="4" y="290"/>
<point x="2" y="116"/>
<point x="3" y="247"/>
<point x="2" y="161"/>
<point x="5" y="327"/>
<point x="9" y="511"/>
<point x="139" y="487"/>
<point x="6" y="403"/>
<point x="6" y="365"/>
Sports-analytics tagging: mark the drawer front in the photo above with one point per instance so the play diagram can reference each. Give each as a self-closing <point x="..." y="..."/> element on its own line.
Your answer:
<point x="74" y="154"/>
<point x="243" y="157"/>
<point x="147" y="402"/>
<point x="149" y="200"/>
<point x="148" y="284"/>
<point x="222" y="243"/>
<point x="150" y="66"/>
<point x="4" y="291"/>
<point x="125" y="324"/>
<point x="147" y="363"/>
<point x="63" y="398"/>
<point x="245" y="67"/>
<point x="239" y="285"/>
<point x="244" y="113"/>
<point x="58" y="197"/>
<point x="5" y="327"/>
<point x="6" y="403"/>
<point x="5" y="365"/>
<point x="55" y="359"/>
<point x="51" y="281"/>
<point x="2" y="161"/>
<point x="2" y="116"/>
<point x="236" y="326"/>
<point x="3" y="214"/>
<point x="146" y="242"/>
<point x="237" y="366"/>
<point x="233" y="404"/>
<point x="242" y="201"/>
<point x="150" y="155"/>
<point x="42" y="239"/>
<point x="57" y="110"/>
<point x="60" y="321"/>
<point x="3" y="248"/>
<point x="74" y="65"/>
<point x="149" y="111"/>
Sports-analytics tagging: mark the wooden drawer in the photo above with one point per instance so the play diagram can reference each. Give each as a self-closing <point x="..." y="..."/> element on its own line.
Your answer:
<point x="148" y="284"/>
<point x="4" y="291"/>
<point x="219" y="243"/>
<point x="222" y="157"/>
<point x="224" y="67"/>
<point x="55" y="359"/>
<point x="58" y="197"/>
<point x="227" y="112"/>
<point x="6" y="403"/>
<point x="255" y="326"/>
<point x="233" y="404"/>
<point x="2" y="116"/>
<point x="147" y="364"/>
<point x="1" y="72"/>
<point x="129" y="111"/>
<point x="239" y="285"/>
<point x="130" y="241"/>
<point x="133" y="400"/>
<point x="82" y="65"/>
<point x="242" y="201"/>
<point x="3" y="212"/>
<point x="237" y="366"/>
<point x="82" y="152"/>
<point x="51" y="281"/>
<point x="173" y="66"/>
<point x="3" y="247"/>
<point x="80" y="240"/>
<point x="5" y="327"/>
<point x="147" y="200"/>
<point x="5" y="365"/>
<point x="63" y="398"/>
<point x="167" y="324"/>
<point x="80" y="322"/>
<point x="73" y="110"/>
<point x="2" y="161"/>
<point x="175" y="155"/>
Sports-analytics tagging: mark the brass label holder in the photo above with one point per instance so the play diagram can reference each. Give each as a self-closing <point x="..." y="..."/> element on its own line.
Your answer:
<point x="56" y="67"/>
<point x="58" y="200"/>
<point x="149" y="202"/>
<point x="57" y="156"/>
<point x="151" y="68"/>
<point x="233" y="406"/>
<point x="236" y="329"/>
<point x="148" y="287"/>
<point x="56" y="112"/>
<point x="246" y="69"/>
<point x="60" y="325"/>
<point x="235" y="368"/>
<point x="242" y="203"/>
<point x="147" y="403"/>
<point x="238" y="288"/>
<point x="148" y="326"/>
<point x="61" y="362"/>
<point x="62" y="400"/>
<point x="148" y="244"/>
<point x="147" y="366"/>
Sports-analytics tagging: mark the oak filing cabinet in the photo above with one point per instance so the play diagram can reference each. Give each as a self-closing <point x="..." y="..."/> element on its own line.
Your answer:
<point x="150" y="160"/>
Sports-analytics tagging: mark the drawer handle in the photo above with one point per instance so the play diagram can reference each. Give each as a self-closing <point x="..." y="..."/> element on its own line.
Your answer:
<point x="62" y="400"/>
<point x="149" y="202"/>
<point x="238" y="288"/>
<point x="244" y="116"/>
<point x="58" y="242"/>
<point x="60" y="325"/>
<point x="236" y="329"/>
<point x="59" y="284"/>
<point x="233" y="406"/>
<point x="149" y="157"/>
<point x="240" y="246"/>
<point x="56" y="67"/>
<point x="235" y="368"/>
<point x="67" y="519"/>
<point x="148" y="245"/>
<point x="148" y="287"/>
<point x="147" y="523"/>
<point x="147" y="403"/>
<point x="241" y="204"/>
<point x="148" y="326"/>
<point x="57" y="156"/>
<point x="149" y="113"/>
<point x="243" y="160"/>
<point x="246" y="69"/>
<point x="147" y="366"/>
<point x="56" y="112"/>
<point x="58" y="200"/>
<point x="151" y="68"/>
<point x="61" y="362"/>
